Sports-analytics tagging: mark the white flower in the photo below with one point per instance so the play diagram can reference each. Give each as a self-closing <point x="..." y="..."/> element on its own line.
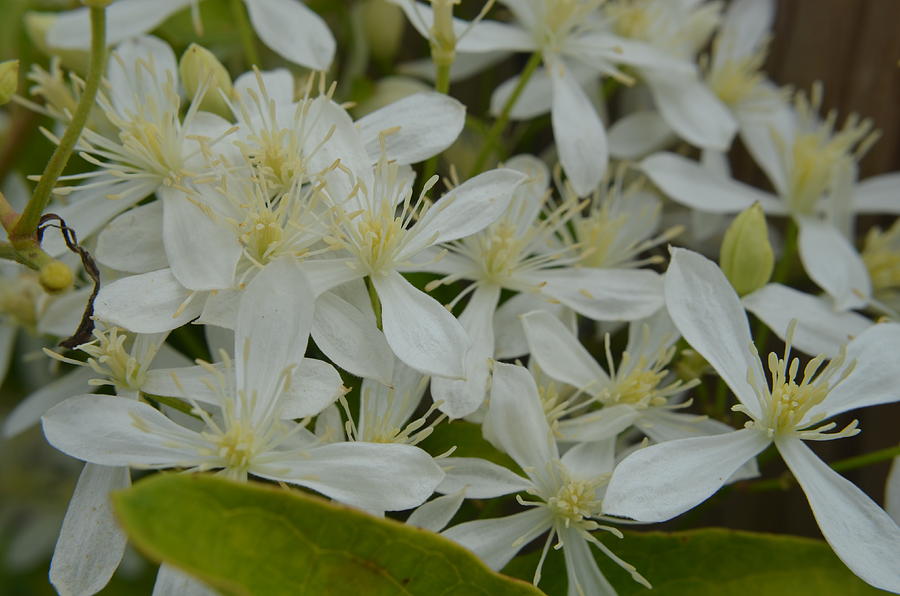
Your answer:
<point x="812" y="167"/>
<point x="536" y="257"/>
<point x="248" y="435"/>
<point x="662" y="481"/>
<point x="288" y="27"/>
<point x="637" y="392"/>
<point x="576" y="47"/>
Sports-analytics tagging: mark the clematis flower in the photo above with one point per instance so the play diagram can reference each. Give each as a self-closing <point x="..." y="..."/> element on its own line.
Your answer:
<point x="659" y="482"/>
<point x="577" y="46"/>
<point x="569" y="489"/>
<point x="288" y="27"/>
<point x="247" y="434"/>
<point x="636" y="393"/>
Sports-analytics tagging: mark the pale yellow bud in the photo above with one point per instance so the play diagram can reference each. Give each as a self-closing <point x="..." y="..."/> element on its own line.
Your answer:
<point x="56" y="277"/>
<point x="383" y="23"/>
<point x="9" y="80"/>
<point x="200" y="69"/>
<point x="746" y="256"/>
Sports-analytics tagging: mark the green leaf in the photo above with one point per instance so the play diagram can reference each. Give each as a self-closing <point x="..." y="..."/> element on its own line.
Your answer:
<point x="258" y="539"/>
<point x="711" y="562"/>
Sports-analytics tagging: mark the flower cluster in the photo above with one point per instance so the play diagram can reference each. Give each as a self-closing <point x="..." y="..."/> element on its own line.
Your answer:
<point x="353" y="302"/>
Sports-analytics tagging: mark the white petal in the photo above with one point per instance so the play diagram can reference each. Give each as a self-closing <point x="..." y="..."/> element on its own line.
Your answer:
<point x="101" y="429"/>
<point x="690" y="184"/>
<point x="832" y="262"/>
<point x="535" y="99"/>
<point x="864" y="537"/>
<point x="315" y="385"/>
<point x="462" y="397"/>
<point x="483" y="36"/>
<point x="272" y="329"/>
<point x="465" y="210"/>
<point x="420" y="331"/>
<point x="509" y="335"/>
<point x="436" y="513"/>
<point x="588" y="461"/>
<point x="350" y="339"/>
<point x="90" y="543"/>
<point x="692" y="109"/>
<point x="124" y="19"/>
<point x="516" y="418"/>
<point x="746" y="26"/>
<point x="479" y="478"/>
<point x="140" y="70"/>
<point x="220" y="310"/>
<point x="170" y="580"/>
<point x="599" y="425"/>
<point x="463" y="67"/>
<point x="664" y="480"/>
<point x="30" y="409"/>
<point x="428" y="123"/>
<point x="63" y="315"/>
<point x="879" y="194"/>
<point x="202" y="251"/>
<point x="373" y="476"/>
<point x="496" y="541"/>
<point x="191" y="382"/>
<point x="638" y="134"/>
<point x="147" y="303"/>
<point x="278" y="85"/>
<point x="133" y="242"/>
<point x="709" y="315"/>
<point x="293" y="31"/>
<point x="875" y="378"/>
<point x="820" y="328"/>
<point x="325" y="274"/>
<point x="389" y="406"/>
<point x="90" y="208"/>
<point x="583" y="574"/>
<point x="578" y="131"/>
<point x="765" y="130"/>
<point x="560" y="354"/>
<point x="604" y="294"/>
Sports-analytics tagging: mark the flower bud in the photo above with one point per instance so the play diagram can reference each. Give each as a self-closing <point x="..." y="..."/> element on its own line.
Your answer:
<point x="9" y="80"/>
<point x="200" y="69"/>
<point x="746" y="256"/>
<point x="383" y="24"/>
<point x="56" y="277"/>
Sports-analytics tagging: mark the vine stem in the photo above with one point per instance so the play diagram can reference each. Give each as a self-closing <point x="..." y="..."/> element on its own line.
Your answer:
<point x="441" y="85"/>
<point x="503" y="119"/>
<point x="851" y="463"/>
<point x="23" y="233"/>
<point x="376" y="302"/>
<point x="245" y="32"/>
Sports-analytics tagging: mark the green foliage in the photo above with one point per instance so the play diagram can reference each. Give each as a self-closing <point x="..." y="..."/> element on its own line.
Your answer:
<point x="711" y="562"/>
<point x="256" y="539"/>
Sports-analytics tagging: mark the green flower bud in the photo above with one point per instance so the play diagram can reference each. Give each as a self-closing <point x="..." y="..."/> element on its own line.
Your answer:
<point x="746" y="256"/>
<point x="383" y="24"/>
<point x="9" y="80"/>
<point x="198" y="69"/>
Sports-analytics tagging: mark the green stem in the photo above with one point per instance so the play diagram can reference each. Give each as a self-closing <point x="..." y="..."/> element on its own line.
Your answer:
<point x="502" y="120"/>
<point x="245" y="32"/>
<point x="376" y="302"/>
<point x="441" y="85"/>
<point x="780" y="275"/>
<point x="174" y="403"/>
<point x="786" y="480"/>
<point x="26" y="225"/>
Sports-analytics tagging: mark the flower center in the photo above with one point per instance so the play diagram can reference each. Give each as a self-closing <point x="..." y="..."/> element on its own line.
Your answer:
<point x="736" y="80"/>
<point x="109" y="358"/>
<point x="882" y="258"/>
<point x="819" y="150"/>
<point x="236" y="447"/>
<point x="575" y="501"/>
<point x="561" y="18"/>
<point x="501" y="250"/>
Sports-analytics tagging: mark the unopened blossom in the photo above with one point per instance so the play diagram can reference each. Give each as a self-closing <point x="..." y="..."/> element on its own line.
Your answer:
<point x="659" y="482"/>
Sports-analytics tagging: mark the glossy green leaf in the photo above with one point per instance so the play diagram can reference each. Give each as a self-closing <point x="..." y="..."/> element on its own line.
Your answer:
<point x="711" y="562"/>
<point x="258" y="539"/>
